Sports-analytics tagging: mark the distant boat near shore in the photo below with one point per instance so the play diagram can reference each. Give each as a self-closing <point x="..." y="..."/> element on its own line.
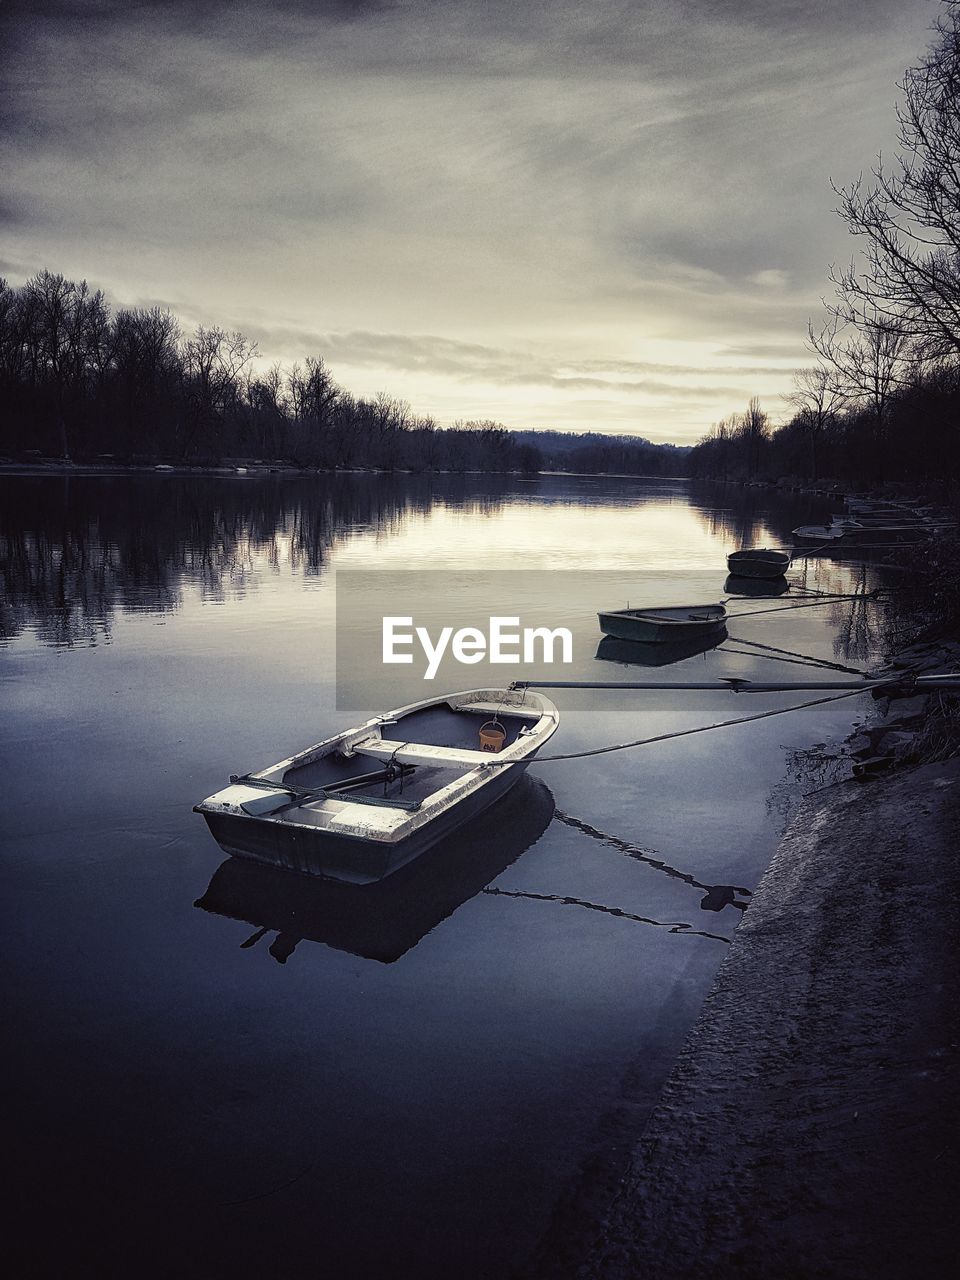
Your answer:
<point x="758" y="562"/>
<point x="869" y="532"/>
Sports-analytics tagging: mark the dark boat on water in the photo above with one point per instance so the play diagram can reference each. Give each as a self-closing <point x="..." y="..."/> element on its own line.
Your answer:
<point x="659" y="625"/>
<point x="758" y="562"/>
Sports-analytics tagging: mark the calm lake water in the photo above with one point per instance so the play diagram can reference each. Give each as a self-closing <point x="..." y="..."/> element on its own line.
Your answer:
<point x="220" y="1070"/>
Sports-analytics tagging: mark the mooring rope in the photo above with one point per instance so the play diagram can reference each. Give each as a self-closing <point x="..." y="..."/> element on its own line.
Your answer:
<point x="790" y="655"/>
<point x="874" y="595"/>
<point x="703" y="728"/>
<point x="793" y="662"/>
<point x="649" y="857"/>
<point x="567" y="900"/>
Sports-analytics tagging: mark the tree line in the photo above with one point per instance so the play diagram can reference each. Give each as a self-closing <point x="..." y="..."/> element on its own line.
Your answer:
<point x="78" y="382"/>
<point x="81" y="383"/>
<point x="881" y="399"/>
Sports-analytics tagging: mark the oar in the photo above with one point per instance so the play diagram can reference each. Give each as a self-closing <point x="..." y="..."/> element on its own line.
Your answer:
<point x="305" y="793"/>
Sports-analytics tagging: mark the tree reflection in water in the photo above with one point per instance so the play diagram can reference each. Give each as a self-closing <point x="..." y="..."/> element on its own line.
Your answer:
<point x="76" y="549"/>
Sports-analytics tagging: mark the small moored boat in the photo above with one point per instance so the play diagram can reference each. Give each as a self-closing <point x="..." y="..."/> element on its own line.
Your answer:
<point x="658" y="625"/>
<point x="359" y="805"/>
<point x="758" y="562"/>
<point x="855" y="533"/>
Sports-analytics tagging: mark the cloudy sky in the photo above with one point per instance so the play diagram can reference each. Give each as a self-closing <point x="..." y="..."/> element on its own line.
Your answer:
<point x="566" y="213"/>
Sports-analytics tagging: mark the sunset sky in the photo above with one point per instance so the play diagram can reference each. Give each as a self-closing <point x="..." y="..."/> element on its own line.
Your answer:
<point x="609" y="216"/>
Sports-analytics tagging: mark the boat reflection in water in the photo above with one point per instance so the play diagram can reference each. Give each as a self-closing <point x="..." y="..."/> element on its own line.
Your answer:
<point x="736" y="585"/>
<point x="384" y="920"/>
<point x="641" y="653"/>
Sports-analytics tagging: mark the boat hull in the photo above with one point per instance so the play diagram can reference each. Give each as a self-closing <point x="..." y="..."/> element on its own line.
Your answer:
<point x="813" y="534"/>
<point x="649" y="629"/>
<point x="385" y="920"/>
<point x="758" y="564"/>
<point x="352" y="859"/>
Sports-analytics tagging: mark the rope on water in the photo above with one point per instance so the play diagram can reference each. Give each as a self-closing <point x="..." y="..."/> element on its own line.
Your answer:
<point x="789" y="655"/>
<point x="647" y="856"/>
<point x="703" y="728"/>
<point x="567" y="900"/>
<point x="793" y="662"/>
<point x="809" y="593"/>
<point x="798" y="594"/>
<point x="812" y="551"/>
<point x="812" y="604"/>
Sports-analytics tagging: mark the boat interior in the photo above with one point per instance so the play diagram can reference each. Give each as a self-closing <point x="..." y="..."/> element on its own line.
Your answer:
<point x="673" y="613"/>
<point x="368" y="772"/>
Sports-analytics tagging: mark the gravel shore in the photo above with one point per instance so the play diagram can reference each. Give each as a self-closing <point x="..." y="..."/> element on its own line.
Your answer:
<point x="808" y="1128"/>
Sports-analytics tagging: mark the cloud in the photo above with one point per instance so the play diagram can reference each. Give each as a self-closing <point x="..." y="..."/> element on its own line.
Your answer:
<point x="770" y="278"/>
<point x="607" y="192"/>
<point x="474" y="362"/>
<point x="781" y="351"/>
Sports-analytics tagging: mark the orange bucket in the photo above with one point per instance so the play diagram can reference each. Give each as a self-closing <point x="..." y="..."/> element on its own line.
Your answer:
<point x="492" y="736"/>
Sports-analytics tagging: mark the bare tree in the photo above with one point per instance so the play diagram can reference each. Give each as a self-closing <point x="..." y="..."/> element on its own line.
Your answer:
<point x="908" y="218"/>
<point x="754" y="428"/>
<point x="817" y="398"/>
<point x="69" y="333"/>
<point x="390" y="413"/>
<point x="319" y="392"/>
<point x="214" y="361"/>
<point x="145" y="358"/>
<point x="868" y="363"/>
<point x="16" y="328"/>
<point x="314" y="396"/>
<point x="267" y="397"/>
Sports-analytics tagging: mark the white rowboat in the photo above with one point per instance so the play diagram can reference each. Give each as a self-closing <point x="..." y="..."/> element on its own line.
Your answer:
<point x="365" y="802"/>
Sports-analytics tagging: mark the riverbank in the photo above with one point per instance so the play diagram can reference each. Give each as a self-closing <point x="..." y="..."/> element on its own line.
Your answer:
<point x="239" y="467"/>
<point x="808" y="1127"/>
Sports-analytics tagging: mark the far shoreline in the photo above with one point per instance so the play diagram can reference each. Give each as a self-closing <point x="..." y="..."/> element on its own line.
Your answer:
<point x="258" y="468"/>
<point x="58" y="466"/>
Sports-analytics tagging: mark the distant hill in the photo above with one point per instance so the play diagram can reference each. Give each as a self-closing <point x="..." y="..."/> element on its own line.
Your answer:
<point x="566" y="441"/>
<point x="592" y="451"/>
